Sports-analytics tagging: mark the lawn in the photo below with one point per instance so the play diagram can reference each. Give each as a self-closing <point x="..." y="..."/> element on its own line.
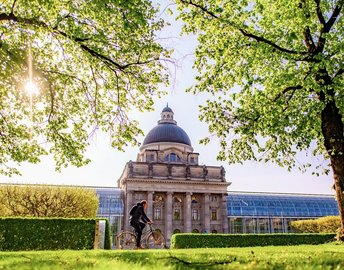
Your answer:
<point x="327" y="256"/>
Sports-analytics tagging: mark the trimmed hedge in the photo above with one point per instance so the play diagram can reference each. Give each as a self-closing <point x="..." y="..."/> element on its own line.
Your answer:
<point x="190" y="240"/>
<point x="108" y="242"/>
<point x="46" y="233"/>
<point x="329" y="224"/>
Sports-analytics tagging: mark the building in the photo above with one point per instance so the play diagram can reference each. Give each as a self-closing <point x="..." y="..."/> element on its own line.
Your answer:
<point x="182" y="195"/>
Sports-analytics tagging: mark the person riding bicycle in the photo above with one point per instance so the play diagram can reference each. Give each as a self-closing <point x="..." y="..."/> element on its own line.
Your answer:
<point x="138" y="220"/>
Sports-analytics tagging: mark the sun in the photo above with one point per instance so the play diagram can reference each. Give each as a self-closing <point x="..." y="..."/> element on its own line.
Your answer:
<point x="31" y="88"/>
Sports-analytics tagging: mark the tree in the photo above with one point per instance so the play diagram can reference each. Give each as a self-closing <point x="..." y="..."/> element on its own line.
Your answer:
<point x="47" y="201"/>
<point x="286" y="57"/>
<point x="92" y="61"/>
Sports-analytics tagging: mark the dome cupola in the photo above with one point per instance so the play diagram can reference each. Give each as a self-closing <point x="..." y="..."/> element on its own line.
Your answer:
<point x="167" y="130"/>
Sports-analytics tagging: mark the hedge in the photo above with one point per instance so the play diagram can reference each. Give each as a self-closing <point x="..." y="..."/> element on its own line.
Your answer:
<point x="329" y="224"/>
<point x="46" y="233"/>
<point x="190" y="240"/>
<point x="108" y="242"/>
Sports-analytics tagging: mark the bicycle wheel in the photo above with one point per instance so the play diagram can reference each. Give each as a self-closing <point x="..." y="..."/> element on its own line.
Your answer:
<point x="156" y="240"/>
<point x="126" y="240"/>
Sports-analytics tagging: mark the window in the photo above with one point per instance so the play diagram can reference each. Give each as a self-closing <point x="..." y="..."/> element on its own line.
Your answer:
<point x="277" y="225"/>
<point x="214" y="231"/>
<point x="172" y="158"/>
<point x="213" y="215"/>
<point x="139" y="196"/>
<point x="194" y="200"/>
<point x="251" y="225"/>
<point x="194" y="214"/>
<point x="195" y="231"/>
<point x="263" y="225"/>
<point x="177" y="199"/>
<point x="236" y="225"/>
<point x="213" y="198"/>
<point x="157" y="214"/>
<point x="176" y="214"/>
<point x="192" y="160"/>
<point x="176" y="231"/>
<point x="158" y="198"/>
<point x="151" y="157"/>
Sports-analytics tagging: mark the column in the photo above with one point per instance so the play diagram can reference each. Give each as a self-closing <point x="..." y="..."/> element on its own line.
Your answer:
<point x="168" y="216"/>
<point x="206" y="213"/>
<point x="128" y="205"/>
<point x="187" y="216"/>
<point x="150" y="205"/>
<point x="224" y="213"/>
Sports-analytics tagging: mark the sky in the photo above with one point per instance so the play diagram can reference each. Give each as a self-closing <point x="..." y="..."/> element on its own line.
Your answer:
<point x="107" y="163"/>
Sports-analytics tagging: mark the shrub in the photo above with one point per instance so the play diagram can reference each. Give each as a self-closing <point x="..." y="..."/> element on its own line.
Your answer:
<point x="189" y="240"/>
<point x="329" y="224"/>
<point x="47" y="201"/>
<point x="46" y="233"/>
<point x="108" y="242"/>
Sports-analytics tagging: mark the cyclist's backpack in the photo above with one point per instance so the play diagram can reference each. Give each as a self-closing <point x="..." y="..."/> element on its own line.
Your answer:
<point x="133" y="210"/>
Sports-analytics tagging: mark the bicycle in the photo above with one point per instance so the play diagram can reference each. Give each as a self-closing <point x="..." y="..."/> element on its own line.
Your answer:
<point x="150" y="239"/>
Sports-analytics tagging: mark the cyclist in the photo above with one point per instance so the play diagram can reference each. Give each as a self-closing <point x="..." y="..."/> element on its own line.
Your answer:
<point x="138" y="219"/>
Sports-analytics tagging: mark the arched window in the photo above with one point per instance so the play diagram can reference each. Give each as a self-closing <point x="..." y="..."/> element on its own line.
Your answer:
<point x="158" y="198"/>
<point x="172" y="157"/>
<point x="214" y="231"/>
<point x="177" y="199"/>
<point x="194" y="199"/>
<point x="176" y="231"/>
<point x="195" y="231"/>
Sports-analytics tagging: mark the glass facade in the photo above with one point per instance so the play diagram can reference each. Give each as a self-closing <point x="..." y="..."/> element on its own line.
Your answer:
<point x="272" y="213"/>
<point x="280" y="205"/>
<point x="111" y="207"/>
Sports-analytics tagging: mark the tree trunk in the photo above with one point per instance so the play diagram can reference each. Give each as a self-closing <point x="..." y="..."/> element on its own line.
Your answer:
<point x="332" y="130"/>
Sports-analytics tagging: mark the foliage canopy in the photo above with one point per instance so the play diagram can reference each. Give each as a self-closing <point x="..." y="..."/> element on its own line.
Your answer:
<point x="263" y="49"/>
<point x="93" y="62"/>
<point x="286" y="60"/>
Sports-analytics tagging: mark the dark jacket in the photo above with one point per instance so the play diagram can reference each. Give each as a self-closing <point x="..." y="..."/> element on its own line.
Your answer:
<point x="139" y="215"/>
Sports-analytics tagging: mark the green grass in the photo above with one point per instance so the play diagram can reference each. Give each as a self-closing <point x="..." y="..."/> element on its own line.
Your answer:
<point x="327" y="256"/>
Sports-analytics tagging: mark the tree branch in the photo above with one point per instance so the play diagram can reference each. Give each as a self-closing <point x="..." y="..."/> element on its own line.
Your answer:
<point x="266" y="41"/>
<point x="339" y="72"/>
<point x="334" y="16"/>
<point x="78" y="40"/>
<point x="286" y="90"/>
<point x="308" y="39"/>
<point x="319" y="12"/>
<point x="243" y="31"/>
<point x="13" y="5"/>
<point x="328" y="25"/>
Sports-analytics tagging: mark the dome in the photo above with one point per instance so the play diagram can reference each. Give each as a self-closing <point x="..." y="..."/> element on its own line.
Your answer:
<point x="167" y="130"/>
<point x="167" y="109"/>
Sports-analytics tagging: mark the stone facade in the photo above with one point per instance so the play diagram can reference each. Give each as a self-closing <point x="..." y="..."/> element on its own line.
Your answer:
<point x="182" y="195"/>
